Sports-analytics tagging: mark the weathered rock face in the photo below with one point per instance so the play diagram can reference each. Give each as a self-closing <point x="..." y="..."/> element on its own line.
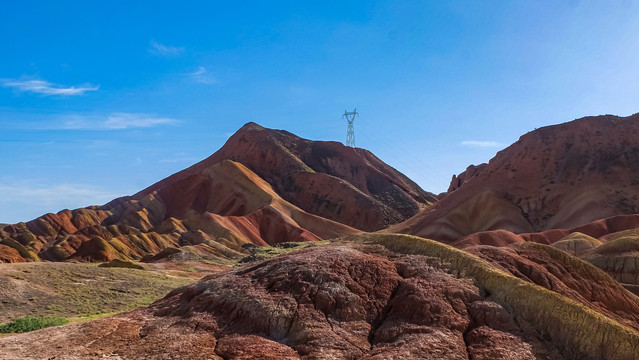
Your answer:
<point x="215" y="212"/>
<point x="9" y="254"/>
<point x="558" y="176"/>
<point x="619" y="256"/>
<point x="344" y="184"/>
<point x="470" y="172"/>
<point x="566" y="275"/>
<point x="378" y="297"/>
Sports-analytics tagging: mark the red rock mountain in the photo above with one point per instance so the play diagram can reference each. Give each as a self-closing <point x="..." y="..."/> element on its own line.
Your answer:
<point x="263" y="187"/>
<point x="325" y="178"/>
<point x="559" y="176"/>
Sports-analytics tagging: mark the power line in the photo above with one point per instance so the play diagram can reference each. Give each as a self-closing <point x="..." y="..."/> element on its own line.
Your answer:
<point x="350" y="132"/>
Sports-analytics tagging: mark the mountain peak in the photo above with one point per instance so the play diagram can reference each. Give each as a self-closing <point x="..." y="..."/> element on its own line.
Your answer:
<point x="251" y="126"/>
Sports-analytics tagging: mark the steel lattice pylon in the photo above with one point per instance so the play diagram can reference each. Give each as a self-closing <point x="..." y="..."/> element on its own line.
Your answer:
<point x="350" y="133"/>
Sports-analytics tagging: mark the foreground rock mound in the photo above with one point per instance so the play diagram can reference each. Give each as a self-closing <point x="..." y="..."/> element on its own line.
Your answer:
<point x="559" y="176"/>
<point x="377" y="297"/>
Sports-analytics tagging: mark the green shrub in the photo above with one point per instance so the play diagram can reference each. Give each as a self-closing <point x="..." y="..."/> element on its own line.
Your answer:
<point x="122" y="264"/>
<point x="31" y="323"/>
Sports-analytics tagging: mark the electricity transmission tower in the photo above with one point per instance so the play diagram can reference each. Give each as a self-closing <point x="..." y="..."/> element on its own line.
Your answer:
<point x="350" y="133"/>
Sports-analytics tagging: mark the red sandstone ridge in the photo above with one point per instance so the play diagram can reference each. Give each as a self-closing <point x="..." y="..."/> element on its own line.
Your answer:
<point x="325" y="178"/>
<point x="559" y="176"/>
<point x="371" y="297"/>
<point x="216" y="211"/>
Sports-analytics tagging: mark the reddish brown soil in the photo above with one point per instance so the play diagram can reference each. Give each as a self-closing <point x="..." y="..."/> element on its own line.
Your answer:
<point x="567" y="275"/>
<point x="611" y="244"/>
<point x="9" y="255"/>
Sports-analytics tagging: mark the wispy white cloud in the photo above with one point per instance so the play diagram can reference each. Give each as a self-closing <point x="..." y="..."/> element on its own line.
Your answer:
<point x="178" y="160"/>
<point x="117" y="121"/>
<point x="91" y="195"/>
<point x="128" y="120"/>
<point x="481" y="144"/>
<point x="46" y="88"/>
<point x="202" y="76"/>
<point x="164" y="50"/>
<point x="24" y="199"/>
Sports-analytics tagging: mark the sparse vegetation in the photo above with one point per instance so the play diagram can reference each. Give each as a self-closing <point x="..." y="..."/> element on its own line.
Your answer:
<point x="31" y="323"/>
<point x="620" y="245"/>
<point x="265" y="252"/>
<point x="79" y="290"/>
<point x="117" y="263"/>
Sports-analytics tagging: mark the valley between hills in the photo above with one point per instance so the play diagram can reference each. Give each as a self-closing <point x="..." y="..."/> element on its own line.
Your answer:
<point x="278" y="247"/>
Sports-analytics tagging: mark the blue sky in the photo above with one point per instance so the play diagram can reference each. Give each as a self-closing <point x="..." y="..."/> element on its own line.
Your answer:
<point x="102" y="100"/>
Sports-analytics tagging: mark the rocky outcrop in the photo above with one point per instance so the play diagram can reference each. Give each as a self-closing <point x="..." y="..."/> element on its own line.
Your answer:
<point x="577" y="244"/>
<point x="567" y="275"/>
<point x="372" y="297"/>
<point x="9" y="255"/>
<point x="470" y="172"/>
<point x="559" y="176"/>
